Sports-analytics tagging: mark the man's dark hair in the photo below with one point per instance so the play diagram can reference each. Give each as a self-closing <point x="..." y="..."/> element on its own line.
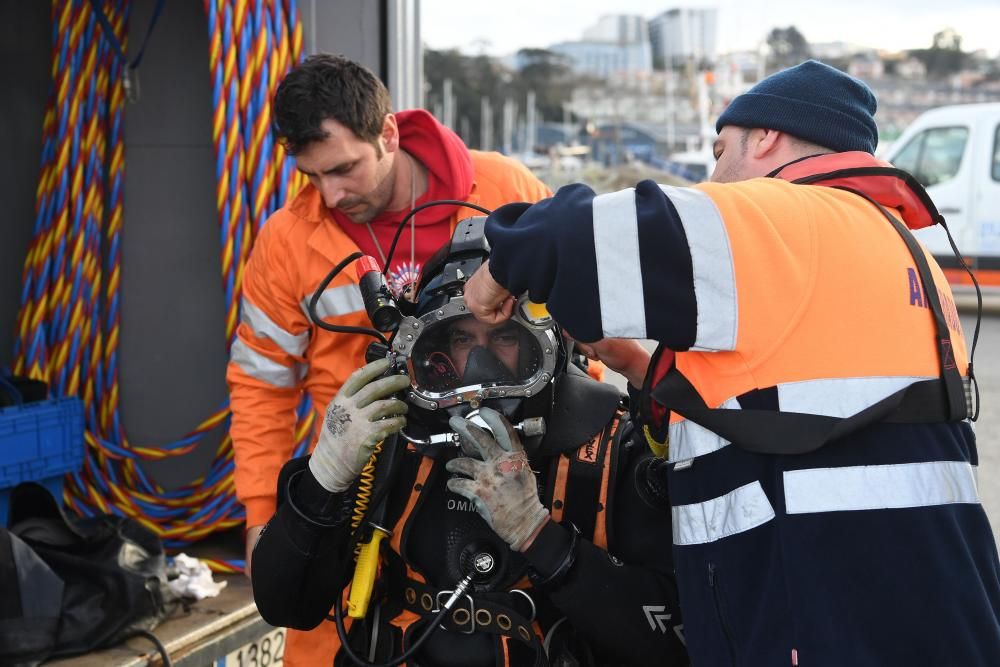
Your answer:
<point x="329" y="87"/>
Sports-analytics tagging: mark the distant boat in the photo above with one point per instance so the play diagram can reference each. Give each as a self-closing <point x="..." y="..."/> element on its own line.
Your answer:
<point x="695" y="166"/>
<point x="533" y="161"/>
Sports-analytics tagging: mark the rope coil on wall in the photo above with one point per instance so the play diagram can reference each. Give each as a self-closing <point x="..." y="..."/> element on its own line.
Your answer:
<point x="69" y="320"/>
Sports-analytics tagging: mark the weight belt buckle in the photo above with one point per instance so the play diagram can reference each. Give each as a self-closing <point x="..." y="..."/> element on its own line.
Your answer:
<point x="456" y="611"/>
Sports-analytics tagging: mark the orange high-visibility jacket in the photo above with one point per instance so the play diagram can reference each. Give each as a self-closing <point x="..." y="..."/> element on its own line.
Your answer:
<point x="789" y="302"/>
<point x="279" y="353"/>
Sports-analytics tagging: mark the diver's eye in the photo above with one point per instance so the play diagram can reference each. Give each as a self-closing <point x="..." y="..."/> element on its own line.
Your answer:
<point x="461" y="340"/>
<point x="503" y="339"/>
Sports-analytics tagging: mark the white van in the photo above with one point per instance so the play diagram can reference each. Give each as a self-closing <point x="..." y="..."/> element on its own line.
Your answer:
<point x="954" y="152"/>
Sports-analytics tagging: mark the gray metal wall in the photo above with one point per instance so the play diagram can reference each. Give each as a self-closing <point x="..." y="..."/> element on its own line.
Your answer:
<point x="24" y="84"/>
<point x="384" y="35"/>
<point x="172" y="354"/>
<point x="352" y="27"/>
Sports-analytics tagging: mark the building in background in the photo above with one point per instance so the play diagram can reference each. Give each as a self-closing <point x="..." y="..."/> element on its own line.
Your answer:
<point x="618" y="29"/>
<point x="681" y="36"/>
<point x="604" y="59"/>
<point x="618" y="44"/>
<point x="866" y="66"/>
<point x="827" y="51"/>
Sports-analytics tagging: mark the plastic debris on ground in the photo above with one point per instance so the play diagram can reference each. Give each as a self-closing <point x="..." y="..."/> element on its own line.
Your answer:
<point x="190" y="578"/>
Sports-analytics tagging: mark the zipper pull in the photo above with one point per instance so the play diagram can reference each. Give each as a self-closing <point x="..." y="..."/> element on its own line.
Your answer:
<point x="711" y="575"/>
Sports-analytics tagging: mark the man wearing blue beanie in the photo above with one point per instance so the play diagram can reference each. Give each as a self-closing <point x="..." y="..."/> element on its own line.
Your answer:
<point x="808" y="389"/>
<point x="816" y="108"/>
<point x="813" y="102"/>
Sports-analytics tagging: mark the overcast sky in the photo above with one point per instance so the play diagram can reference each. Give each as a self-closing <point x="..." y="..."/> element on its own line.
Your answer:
<point x="501" y="27"/>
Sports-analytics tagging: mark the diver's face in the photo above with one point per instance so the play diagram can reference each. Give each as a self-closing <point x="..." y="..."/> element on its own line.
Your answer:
<point x="500" y="339"/>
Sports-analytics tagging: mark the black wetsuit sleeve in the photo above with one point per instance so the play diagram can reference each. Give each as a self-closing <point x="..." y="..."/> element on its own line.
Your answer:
<point x="300" y="560"/>
<point x="624" y="602"/>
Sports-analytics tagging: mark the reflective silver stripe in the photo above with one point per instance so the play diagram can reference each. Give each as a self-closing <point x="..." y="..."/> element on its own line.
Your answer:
<point x="712" y="264"/>
<point x="689" y="440"/>
<point x="879" y="487"/>
<point x="735" y="512"/>
<point x="264" y="369"/>
<point x="619" y="273"/>
<point x="337" y="301"/>
<point x="839" y="397"/>
<point x="264" y="327"/>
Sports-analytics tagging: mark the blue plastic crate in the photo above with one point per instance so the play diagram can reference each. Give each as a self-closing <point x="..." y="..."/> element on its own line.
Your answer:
<point x="39" y="442"/>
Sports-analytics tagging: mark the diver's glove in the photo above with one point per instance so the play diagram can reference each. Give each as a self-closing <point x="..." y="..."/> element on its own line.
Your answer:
<point x="502" y="486"/>
<point x="359" y="417"/>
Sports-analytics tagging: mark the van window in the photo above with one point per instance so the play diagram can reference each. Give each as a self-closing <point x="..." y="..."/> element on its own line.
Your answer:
<point x="996" y="155"/>
<point x="907" y="158"/>
<point x="935" y="155"/>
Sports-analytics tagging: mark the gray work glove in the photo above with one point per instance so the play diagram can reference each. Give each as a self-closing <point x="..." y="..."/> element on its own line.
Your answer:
<point x="502" y="486"/>
<point x="356" y="420"/>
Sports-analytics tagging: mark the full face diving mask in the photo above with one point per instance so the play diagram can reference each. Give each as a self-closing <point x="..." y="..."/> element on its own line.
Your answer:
<point x="456" y="362"/>
<point x="454" y="359"/>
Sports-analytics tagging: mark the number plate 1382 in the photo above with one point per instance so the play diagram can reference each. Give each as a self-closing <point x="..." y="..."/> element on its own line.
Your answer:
<point x="267" y="651"/>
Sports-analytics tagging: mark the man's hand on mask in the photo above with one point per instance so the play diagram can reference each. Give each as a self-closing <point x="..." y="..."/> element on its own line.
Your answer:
<point x="487" y="299"/>
<point x="501" y="486"/>
<point x="358" y="418"/>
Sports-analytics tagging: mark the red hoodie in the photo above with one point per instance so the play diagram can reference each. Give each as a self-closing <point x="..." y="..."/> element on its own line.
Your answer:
<point x="449" y="176"/>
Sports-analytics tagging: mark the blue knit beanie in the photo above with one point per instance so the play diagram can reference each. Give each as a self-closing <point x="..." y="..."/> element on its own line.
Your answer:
<point x="813" y="102"/>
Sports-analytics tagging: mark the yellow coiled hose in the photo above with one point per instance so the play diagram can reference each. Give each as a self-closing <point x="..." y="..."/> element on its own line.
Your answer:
<point x="366" y="486"/>
<point x="366" y="554"/>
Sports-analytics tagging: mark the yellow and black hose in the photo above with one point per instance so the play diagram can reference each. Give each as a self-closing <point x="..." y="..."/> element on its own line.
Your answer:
<point x="366" y="486"/>
<point x="367" y="553"/>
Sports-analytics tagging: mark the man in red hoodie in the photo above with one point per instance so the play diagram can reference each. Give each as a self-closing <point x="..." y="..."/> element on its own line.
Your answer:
<point x="367" y="168"/>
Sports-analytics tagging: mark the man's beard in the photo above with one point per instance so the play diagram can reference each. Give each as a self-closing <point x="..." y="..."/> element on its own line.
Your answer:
<point x="374" y="203"/>
<point x="363" y="215"/>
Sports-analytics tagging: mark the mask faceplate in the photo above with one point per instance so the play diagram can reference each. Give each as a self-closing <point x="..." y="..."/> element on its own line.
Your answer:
<point x="453" y="358"/>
